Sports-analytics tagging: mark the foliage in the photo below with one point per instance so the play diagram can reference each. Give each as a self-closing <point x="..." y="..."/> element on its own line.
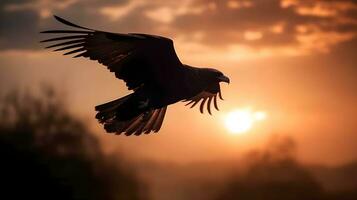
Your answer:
<point x="49" y="154"/>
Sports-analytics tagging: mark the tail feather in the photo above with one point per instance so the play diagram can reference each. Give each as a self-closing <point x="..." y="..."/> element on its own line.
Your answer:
<point x="108" y="110"/>
<point x="150" y="124"/>
<point x="111" y="104"/>
<point x="159" y="120"/>
<point x="146" y="122"/>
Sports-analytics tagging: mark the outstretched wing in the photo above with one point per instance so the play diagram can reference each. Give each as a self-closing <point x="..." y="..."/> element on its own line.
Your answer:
<point x="205" y="96"/>
<point x="138" y="59"/>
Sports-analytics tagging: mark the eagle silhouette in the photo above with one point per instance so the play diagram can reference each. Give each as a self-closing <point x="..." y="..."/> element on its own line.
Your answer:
<point x="149" y="66"/>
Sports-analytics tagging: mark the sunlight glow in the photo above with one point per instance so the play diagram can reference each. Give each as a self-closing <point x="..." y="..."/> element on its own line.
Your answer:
<point x="260" y="116"/>
<point x="242" y="120"/>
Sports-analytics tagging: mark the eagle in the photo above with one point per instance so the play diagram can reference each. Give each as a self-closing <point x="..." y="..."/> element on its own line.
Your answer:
<point x="149" y="66"/>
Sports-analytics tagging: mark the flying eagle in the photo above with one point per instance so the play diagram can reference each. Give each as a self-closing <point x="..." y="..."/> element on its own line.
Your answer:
<point x="149" y="66"/>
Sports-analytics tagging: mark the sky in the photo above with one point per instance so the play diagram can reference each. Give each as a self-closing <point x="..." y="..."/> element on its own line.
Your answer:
<point x="293" y="59"/>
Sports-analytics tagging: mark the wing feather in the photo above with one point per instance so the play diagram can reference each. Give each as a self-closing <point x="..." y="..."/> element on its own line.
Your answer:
<point x="215" y="102"/>
<point x="66" y="31"/>
<point x="67" y="43"/>
<point x="209" y="105"/>
<point x="203" y="104"/>
<point x="135" y="58"/>
<point x="69" y="47"/>
<point x="64" y="38"/>
<point x="69" y="23"/>
<point x="205" y="97"/>
<point x="74" y="51"/>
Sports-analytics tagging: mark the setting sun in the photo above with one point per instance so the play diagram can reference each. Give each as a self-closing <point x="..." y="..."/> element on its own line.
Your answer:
<point x="242" y="120"/>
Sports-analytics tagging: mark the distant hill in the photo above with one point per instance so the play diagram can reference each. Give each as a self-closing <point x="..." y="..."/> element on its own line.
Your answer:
<point x="336" y="179"/>
<point x="204" y="180"/>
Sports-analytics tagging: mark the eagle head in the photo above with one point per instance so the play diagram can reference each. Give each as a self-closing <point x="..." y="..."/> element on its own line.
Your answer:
<point x="216" y="75"/>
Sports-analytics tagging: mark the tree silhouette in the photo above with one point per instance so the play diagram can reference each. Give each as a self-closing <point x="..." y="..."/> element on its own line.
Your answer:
<point x="49" y="154"/>
<point x="273" y="173"/>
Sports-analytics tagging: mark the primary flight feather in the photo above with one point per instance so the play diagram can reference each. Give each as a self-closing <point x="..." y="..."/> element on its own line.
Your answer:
<point x="149" y="66"/>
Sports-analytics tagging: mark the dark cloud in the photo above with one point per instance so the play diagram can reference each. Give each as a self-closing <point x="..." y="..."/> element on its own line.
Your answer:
<point x="219" y="23"/>
<point x="273" y="24"/>
<point x="20" y="27"/>
<point x="9" y="2"/>
<point x="18" y="30"/>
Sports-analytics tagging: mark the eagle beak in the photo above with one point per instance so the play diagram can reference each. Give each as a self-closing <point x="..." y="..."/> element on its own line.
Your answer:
<point x="224" y="79"/>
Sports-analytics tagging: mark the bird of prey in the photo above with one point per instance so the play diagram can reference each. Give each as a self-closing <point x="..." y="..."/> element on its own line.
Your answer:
<point x="150" y="68"/>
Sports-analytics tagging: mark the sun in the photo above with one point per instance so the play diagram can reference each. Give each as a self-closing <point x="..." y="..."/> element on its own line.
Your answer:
<point x="242" y="120"/>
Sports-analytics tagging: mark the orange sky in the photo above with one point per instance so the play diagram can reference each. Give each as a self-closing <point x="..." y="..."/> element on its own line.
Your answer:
<point x="293" y="59"/>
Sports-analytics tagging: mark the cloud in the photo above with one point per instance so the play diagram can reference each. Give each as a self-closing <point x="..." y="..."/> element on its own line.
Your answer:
<point x="257" y="25"/>
<point x="253" y="35"/>
<point x="320" y="8"/>
<point x="168" y="12"/>
<point x="17" y="30"/>
<point x="274" y="24"/>
<point x="119" y="11"/>
<point x="43" y="7"/>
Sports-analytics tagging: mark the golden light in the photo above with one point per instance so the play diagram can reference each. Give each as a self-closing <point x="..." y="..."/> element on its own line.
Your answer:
<point x="242" y="120"/>
<point x="260" y="115"/>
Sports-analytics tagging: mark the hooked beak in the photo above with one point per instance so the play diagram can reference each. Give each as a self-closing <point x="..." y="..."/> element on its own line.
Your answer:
<point x="224" y="79"/>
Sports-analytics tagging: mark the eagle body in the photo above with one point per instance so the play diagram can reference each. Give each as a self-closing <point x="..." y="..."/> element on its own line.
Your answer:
<point x="150" y="68"/>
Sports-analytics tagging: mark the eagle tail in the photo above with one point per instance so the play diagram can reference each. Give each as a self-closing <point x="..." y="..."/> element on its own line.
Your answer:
<point x="108" y="110"/>
<point x="117" y="120"/>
